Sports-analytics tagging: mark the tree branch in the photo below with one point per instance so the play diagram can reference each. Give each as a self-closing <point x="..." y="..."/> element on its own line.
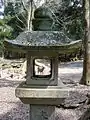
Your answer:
<point x="24" y="6"/>
<point x="20" y="27"/>
<point x="20" y="20"/>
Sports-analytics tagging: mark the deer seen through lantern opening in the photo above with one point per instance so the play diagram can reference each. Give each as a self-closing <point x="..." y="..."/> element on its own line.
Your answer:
<point x="42" y="67"/>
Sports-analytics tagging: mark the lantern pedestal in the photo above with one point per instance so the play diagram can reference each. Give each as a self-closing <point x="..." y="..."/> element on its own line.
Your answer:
<point x="42" y="99"/>
<point x="42" y="112"/>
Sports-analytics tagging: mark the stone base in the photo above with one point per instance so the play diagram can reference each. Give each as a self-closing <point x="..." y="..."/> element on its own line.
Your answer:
<point x="41" y="95"/>
<point x="42" y="112"/>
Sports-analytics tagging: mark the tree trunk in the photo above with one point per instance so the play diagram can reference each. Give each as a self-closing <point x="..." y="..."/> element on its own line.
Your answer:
<point x="86" y="64"/>
<point x="30" y="15"/>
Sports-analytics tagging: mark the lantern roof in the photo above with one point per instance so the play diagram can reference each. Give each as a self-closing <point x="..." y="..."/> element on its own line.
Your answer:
<point x="33" y="40"/>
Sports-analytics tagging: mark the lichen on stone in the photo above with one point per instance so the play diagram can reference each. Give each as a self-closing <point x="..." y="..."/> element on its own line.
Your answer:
<point x="41" y="38"/>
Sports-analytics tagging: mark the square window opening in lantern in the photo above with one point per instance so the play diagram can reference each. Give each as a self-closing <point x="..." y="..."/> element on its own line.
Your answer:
<point x="42" y="68"/>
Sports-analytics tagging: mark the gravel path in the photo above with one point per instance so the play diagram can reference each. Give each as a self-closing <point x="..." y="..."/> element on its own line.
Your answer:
<point x="11" y="108"/>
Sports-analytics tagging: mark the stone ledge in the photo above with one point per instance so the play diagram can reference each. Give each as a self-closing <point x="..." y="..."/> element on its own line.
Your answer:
<point x="45" y="95"/>
<point x="52" y="95"/>
<point x="26" y="91"/>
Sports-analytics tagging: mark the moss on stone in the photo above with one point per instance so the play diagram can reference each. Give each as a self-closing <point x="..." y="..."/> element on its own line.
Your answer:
<point x="42" y="40"/>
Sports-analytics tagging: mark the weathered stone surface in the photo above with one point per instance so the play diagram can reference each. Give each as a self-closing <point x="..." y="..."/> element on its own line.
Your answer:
<point x="43" y="24"/>
<point x="46" y="95"/>
<point x="41" y="38"/>
<point x="42" y="112"/>
<point x="42" y="12"/>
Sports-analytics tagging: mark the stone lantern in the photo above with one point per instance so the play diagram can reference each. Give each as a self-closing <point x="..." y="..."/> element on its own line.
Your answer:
<point x="41" y="90"/>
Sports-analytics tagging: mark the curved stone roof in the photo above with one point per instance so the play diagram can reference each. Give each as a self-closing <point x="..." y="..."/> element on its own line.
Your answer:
<point x="39" y="39"/>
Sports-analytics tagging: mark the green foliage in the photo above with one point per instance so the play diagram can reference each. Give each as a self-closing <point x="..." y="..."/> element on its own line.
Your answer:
<point x="9" y="9"/>
<point x="5" y="32"/>
<point x="16" y="18"/>
<point x="71" y="17"/>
